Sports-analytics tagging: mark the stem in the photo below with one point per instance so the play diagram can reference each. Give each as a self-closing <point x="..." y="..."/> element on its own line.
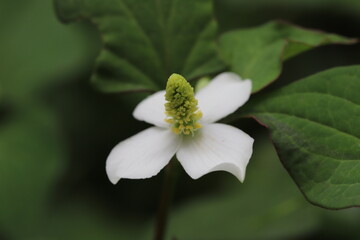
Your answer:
<point x="165" y="201"/>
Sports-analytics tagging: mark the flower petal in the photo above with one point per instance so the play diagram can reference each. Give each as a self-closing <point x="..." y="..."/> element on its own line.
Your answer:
<point x="142" y="155"/>
<point x="223" y="96"/>
<point x="152" y="109"/>
<point x="216" y="147"/>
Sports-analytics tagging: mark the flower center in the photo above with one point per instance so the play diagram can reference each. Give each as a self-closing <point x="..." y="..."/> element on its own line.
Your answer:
<point x="181" y="107"/>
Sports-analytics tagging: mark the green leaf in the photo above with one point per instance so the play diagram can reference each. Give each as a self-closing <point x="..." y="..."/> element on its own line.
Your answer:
<point x="146" y="41"/>
<point x="31" y="159"/>
<point x="314" y="124"/>
<point x="257" y="53"/>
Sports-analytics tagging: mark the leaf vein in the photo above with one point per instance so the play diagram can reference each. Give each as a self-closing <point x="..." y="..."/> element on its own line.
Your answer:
<point x="315" y="122"/>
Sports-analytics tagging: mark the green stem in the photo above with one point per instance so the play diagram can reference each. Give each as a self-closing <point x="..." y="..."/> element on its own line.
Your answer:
<point x="165" y="200"/>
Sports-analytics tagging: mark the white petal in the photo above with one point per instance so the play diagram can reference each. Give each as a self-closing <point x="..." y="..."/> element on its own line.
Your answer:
<point x="142" y="155"/>
<point x="223" y="96"/>
<point x="216" y="147"/>
<point x="152" y="109"/>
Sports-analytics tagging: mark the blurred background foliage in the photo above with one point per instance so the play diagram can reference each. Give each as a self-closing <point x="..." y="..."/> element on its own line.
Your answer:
<point x="56" y="132"/>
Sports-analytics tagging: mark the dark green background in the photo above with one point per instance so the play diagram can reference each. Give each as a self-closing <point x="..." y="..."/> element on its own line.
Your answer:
<point x="56" y="132"/>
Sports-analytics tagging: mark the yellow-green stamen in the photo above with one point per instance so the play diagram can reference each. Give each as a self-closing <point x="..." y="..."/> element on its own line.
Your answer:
<point x="181" y="107"/>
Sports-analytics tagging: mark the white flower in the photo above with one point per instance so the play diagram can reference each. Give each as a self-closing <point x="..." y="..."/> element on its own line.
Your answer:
<point x="210" y="146"/>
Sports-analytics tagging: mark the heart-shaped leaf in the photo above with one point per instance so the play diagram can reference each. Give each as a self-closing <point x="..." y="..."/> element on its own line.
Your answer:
<point x="145" y="41"/>
<point x="257" y="53"/>
<point x="314" y="124"/>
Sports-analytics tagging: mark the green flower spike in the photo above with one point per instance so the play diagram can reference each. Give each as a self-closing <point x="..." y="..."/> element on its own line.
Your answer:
<point x="181" y="107"/>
